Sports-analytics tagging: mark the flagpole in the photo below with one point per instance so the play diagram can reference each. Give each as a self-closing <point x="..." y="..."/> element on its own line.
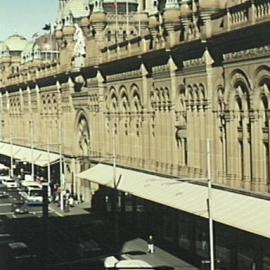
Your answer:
<point x="116" y="19"/>
<point x="127" y="12"/>
<point x="210" y="214"/>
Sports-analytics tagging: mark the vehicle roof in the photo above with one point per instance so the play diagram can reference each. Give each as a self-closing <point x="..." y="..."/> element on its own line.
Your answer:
<point x="30" y="183"/>
<point x="129" y="263"/>
<point x="8" y="179"/>
<point x="34" y="188"/>
<point x="15" y="245"/>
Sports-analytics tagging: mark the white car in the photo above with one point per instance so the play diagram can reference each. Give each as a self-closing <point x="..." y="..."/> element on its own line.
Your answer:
<point x="113" y="262"/>
<point x="10" y="183"/>
<point x="32" y="194"/>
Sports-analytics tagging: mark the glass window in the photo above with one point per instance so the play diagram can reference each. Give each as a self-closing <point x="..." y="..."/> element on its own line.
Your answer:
<point x="224" y="242"/>
<point x="246" y="252"/>
<point x="266" y="256"/>
<point x="184" y="232"/>
<point x="168" y="225"/>
<point x="201" y="239"/>
<point x="128" y="202"/>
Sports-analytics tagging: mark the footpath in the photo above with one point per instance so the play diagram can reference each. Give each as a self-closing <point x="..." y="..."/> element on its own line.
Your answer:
<point x="160" y="258"/>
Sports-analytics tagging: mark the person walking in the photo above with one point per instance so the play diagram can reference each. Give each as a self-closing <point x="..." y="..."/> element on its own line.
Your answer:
<point x="150" y="244"/>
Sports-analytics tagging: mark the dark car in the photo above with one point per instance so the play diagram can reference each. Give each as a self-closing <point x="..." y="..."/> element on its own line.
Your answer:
<point x="3" y="195"/>
<point x="20" y="207"/>
<point x="89" y="248"/>
<point x="19" y="257"/>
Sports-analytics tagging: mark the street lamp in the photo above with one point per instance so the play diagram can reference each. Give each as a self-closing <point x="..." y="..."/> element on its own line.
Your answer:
<point x="209" y="207"/>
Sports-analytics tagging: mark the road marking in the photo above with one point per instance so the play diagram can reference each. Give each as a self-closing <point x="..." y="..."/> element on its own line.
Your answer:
<point x="57" y="213"/>
<point x="5" y="204"/>
<point x="12" y="213"/>
<point x="6" y="213"/>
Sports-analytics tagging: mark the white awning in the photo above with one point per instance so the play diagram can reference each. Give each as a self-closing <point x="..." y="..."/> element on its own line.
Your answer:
<point x="38" y="157"/>
<point x="237" y="210"/>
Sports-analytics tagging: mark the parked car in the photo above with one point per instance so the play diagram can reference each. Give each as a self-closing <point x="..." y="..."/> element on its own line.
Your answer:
<point x="3" y="195"/>
<point x="2" y="226"/>
<point x="19" y="257"/>
<point x="9" y="183"/>
<point x="5" y="238"/>
<point x="89" y="248"/>
<point x="113" y="263"/>
<point x="20" y="207"/>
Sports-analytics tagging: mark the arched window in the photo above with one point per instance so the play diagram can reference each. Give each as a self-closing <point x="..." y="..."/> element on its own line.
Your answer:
<point x="83" y="136"/>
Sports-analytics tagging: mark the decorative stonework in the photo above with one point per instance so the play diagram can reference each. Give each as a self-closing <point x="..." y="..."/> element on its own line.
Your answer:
<point x="79" y="51"/>
<point x="247" y="54"/>
<point x="161" y="69"/>
<point x="125" y="75"/>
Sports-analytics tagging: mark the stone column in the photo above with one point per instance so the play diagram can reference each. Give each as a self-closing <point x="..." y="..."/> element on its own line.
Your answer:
<point x="206" y="17"/>
<point x="171" y="20"/>
<point x="254" y="150"/>
<point x="146" y="128"/>
<point x="246" y="154"/>
<point x="173" y="143"/>
<point x="230" y="148"/>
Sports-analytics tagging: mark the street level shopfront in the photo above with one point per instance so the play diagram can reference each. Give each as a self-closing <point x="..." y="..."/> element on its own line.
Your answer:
<point x="175" y="212"/>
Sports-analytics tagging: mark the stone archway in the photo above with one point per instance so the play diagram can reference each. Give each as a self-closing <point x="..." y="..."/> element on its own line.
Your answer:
<point x="83" y="135"/>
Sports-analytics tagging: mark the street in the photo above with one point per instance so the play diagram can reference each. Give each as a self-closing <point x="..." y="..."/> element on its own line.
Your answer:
<point x="55" y="241"/>
<point x="73" y="241"/>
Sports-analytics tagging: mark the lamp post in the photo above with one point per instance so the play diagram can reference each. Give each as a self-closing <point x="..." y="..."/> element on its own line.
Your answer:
<point x="32" y="150"/>
<point x="116" y="228"/>
<point x="209" y="207"/>
<point x="60" y="138"/>
<point x="11" y="158"/>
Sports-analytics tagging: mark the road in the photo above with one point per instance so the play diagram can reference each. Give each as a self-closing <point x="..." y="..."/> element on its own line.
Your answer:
<point x="56" y="241"/>
<point x="13" y="197"/>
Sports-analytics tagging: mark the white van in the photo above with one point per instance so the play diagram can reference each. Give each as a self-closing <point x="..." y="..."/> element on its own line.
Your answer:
<point x="113" y="263"/>
<point x="32" y="194"/>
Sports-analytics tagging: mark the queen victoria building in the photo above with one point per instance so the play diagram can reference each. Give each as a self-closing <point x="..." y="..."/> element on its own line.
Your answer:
<point x="128" y="95"/>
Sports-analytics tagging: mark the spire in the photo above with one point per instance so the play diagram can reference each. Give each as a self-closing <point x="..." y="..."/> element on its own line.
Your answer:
<point x="61" y="6"/>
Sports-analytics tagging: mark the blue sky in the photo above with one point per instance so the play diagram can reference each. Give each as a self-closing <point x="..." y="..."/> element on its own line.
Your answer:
<point x="25" y="17"/>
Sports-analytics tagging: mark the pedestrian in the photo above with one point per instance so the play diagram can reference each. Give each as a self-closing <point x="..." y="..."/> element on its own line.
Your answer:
<point x="76" y="201"/>
<point x="150" y="244"/>
<point x="81" y="198"/>
<point x="71" y="201"/>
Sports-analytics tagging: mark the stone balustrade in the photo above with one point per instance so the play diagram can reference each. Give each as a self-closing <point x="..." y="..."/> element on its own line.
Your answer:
<point x="233" y="17"/>
<point x="262" y="10"/>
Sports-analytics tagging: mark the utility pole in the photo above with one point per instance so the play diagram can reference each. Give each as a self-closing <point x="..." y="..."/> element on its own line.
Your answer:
<point x="45" y="213"/>
<point x="116" y="227"/>
<point x="209" y="206"/>
<point x="32" y="150"/>
<point x="62" y="180"/>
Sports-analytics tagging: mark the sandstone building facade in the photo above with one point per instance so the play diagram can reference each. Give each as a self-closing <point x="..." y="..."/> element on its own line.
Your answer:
<point x="162" y="79"/>
<point x="149" y="81"/>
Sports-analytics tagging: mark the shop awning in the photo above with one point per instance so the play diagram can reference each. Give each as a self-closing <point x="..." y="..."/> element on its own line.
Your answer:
<point x="237" y="210"/>
<point x="38" y="157"/>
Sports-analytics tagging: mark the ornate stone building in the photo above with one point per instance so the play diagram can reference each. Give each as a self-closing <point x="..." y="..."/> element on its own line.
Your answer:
<point x="163" y="76"/>
<point x="163" y="80"/>
<point x="153" y="79"/>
